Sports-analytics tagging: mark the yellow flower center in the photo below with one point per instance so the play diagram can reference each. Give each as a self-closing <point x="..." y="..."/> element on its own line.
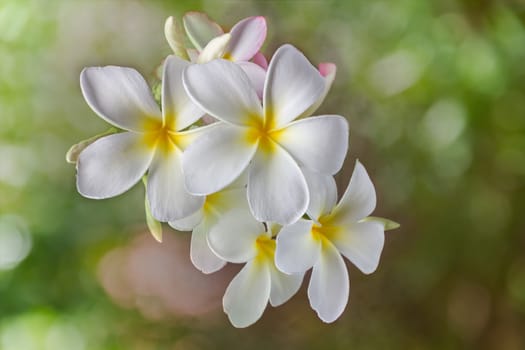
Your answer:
<point x="264" y="132"/>
<point x="325" y="230"/>
<point x="265" y="248"/>
<point x="163" y="137"/>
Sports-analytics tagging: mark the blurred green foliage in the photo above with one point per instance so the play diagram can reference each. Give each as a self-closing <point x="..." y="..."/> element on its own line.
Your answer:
<point x="435" y="95"/>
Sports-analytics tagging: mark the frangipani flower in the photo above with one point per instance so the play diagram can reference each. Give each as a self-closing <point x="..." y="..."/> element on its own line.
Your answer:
<point x="333" y="230"/>
<point x="239" y="238"/>
<point x="215" y="205"/>
<point x="246" y="37"/>
<point x="240" y="45"/>
<point x="152" y="140"/>
<point x="263" y="139"/>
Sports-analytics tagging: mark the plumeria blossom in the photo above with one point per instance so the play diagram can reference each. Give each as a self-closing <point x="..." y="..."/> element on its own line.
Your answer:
<point x="152" y="140"/>
<point x="203" y="220"/>
<point x="263" y="139"/>
<point x="240" y="45"/>
<point x="333" y="229"/>
<point x="239" y="238"/>
<point x="243" y="184"/>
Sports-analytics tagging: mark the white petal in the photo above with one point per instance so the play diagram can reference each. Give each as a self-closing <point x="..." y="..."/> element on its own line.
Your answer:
<point x="214" y="49"/>
<point x="177" y="109"/>
<point x="188" y="223"/>
<point x="175" y="36"/>
<point x="200" y="29"/>
<point x="292" y="85"/>
<point x="120" y="96"/>
<point x="327" y="71"/>
<point x="297" y="250"/>
<point x="216" y="158"/>
<point x="202" y="257"/>
<point x="277" y="190"/>
<point x="168" y="198"/>
<point x="233" y="238"/>
<point x="283" y="286"/>
<point x="329" y="286"/>
<point x="230" y="198"/>
<point x="112" y="165"/>
<point x="359" y="199"/>
<point x="187" y="137"/>
<point x="223" y="90"/>
<point x="247" y="38"/>
<point x="362" y="244"/>
<point x="256" y="74"/>
<point x="323" y="193"/>
<point x="247" y="295"/>
<point x="318" y="143"/>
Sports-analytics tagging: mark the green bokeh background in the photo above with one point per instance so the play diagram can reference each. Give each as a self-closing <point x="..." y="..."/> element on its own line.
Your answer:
<point x="434" y="92"/>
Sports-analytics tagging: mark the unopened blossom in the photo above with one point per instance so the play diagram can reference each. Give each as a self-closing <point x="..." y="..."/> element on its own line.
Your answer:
<point x="334" y="230"/>
<point x="264" y="139"/>
<point x="152" y="140"/>
<point x="239" y="238"/>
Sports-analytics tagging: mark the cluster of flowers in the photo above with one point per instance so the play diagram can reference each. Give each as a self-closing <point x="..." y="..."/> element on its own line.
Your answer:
<point x="233" y="155"/>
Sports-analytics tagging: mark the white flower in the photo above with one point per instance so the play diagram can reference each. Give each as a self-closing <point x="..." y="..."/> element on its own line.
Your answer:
<point x="152" y="140"/>
<point x="238" y="238"/>
<point x="215" y="205"/>
<point x="333" y="230"/>
<point x="246" y="36"/>
<point x="240" y="45"/>
<point x="263" y="138"/>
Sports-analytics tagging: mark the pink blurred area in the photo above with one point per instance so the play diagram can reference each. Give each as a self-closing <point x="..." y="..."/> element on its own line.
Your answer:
<point x="159" y="280"/>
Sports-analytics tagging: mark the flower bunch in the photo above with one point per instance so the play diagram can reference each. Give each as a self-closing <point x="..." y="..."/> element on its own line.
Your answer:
<point x="233" y="154"/>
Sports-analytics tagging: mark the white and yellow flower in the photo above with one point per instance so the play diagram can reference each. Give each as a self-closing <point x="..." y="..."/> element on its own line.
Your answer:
<point x="239" y="238"/>
<point x="263" y="139"/>
<point x="202" y="221"/>
<point x="333" y="230"/>
<point x="152" y="140"/>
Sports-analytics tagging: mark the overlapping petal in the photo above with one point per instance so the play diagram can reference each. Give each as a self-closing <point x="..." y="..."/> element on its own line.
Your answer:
<point x="323" y="193"/>
<point x="169" y="200"/>
<point x="329" y="285"/>
<point x="260" y="60"/>
<point x="327" y="71"/>
<point x="359" y="199"/>
<point x="233" y="238"/>
<point x="214" y="49"/>
<point x="292" y="86"/>
<point x="188" y="223"/>
<point x="177" y="109"/>
<point x="277" y="190"/>
<point x="216" y="158"/>
<point x="202" y="257"/>
<point x="318" y="143"/>
<point x="256" y="74"/>
<point x="247" y="295"/>
<point x="175" y="37"/>
<point x="284" y="286"/>
<point x="297" y="250"/>
<point x="200" y="29"/>
<point x="120" y="96"/>
<point x="112" y="165"/>
<point x="362" y="243"/>
<point x="223" y="90"/>
<point x="247" y="37"/>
